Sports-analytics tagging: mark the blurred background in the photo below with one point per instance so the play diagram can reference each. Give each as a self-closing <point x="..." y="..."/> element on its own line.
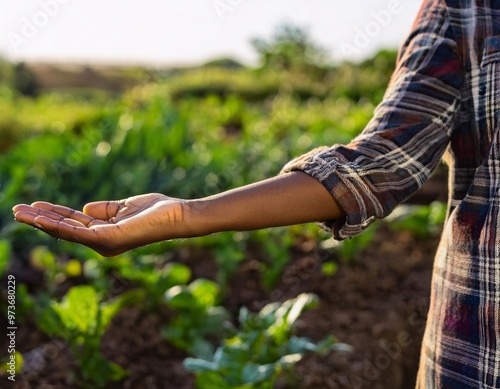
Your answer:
<point x="179" y="32"/>
<point x="105" y="100"/>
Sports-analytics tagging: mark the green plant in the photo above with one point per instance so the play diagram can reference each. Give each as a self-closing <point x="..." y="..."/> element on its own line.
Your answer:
<point x="275" y="246"/>
<point x="424" y="221"/>
<point x="25" y="303"/>
<point x="81" y="319"/>
<point x="290" y="48"/>
<point x="254" y="356"/>
<point x="11" y="365"/>
<point x="4" y="256"/>
<point x="55" y="270"/>
<point x="148" y="272"/>
<point x="197" y="316"/>
<point x="349" y="250"/>
<point x="229" y="250"/>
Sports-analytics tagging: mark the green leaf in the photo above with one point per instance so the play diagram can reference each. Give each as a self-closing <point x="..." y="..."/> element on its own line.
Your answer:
<point x="290" y="359"/>
<point x="243" y="316"/>
<point x="158" y="281"/>
<point x="226" y="356"/>
<point x="4" y="255"/>
<point x="329" y="268"/>
<point x="254" y="373"/>
<point x="92" y="269"/>
<point x="326" y="344"/>
<point x="288" y="313"/>
<point x="100" y="371"/>
<point x="268" y="312"/>
<point x="42" y="259"/>
<point x="214" y="319"/>
<point x="303" y="302"/>
<point x="211" y="380"/>
<point x="179" y="297"/>
<point x="25" y="303"/>
<point x="196" y="365"/>
<point x="200" y="348"/>
<point x="205" y="292"/>
<point x="17" y="363"/>
<point x="110" y="308"/>
<point x="73" y="268"/>
<point x="49" y="321"/>
<point x="175" y="335"/>
<point x="299" y="345"/>
<point x="176" y="274"/>
<point x="79" y="309"/>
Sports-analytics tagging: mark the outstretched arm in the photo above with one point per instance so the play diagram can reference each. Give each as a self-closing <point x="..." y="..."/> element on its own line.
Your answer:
<point x="112" y="227"/>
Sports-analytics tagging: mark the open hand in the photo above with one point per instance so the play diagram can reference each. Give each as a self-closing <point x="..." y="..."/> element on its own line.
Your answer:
<point x="108" y="227"/>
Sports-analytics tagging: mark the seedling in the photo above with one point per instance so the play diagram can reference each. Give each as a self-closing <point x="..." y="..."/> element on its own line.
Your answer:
<point x="81" y="319"/>
<point x="255" y="355"/>
<point x="198" y="316"/>
<point x="156" y="281"/>
<point x="276" y="245"/>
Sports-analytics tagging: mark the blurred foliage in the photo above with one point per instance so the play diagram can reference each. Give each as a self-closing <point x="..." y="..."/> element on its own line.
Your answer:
<point x="6" y="72"/>
<point x="349" y="251"/>
<point x="225" y="63"/>
<point x="24" y="81"/>
<point x="256" y="353"/>
<point x="81" y="318"/>
<point x="188" y="133"/>
<point x="424" y="221"/>
<point x="290" y="48"/>
<point x="199" y="317"/>
<point x="5" y="248"/>
<point x="153" y="275"/>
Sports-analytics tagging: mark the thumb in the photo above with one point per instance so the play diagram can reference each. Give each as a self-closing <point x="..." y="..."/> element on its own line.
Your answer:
<point x="103" y="210"/>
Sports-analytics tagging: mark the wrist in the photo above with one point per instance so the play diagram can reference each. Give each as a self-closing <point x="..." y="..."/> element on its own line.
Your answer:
<point x="196" y="218"/>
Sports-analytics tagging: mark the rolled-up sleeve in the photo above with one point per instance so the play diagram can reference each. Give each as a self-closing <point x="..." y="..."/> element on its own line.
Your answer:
<point x="407" y="135"/>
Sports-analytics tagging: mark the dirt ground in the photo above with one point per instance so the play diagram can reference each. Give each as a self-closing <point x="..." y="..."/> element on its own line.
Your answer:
<point x="378" y="306"/>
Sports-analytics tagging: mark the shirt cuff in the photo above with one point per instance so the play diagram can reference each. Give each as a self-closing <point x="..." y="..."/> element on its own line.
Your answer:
<point x="342" y="190"/>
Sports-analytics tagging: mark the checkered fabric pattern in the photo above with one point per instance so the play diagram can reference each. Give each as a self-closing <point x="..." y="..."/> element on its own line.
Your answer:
<point x="443" y="99"/>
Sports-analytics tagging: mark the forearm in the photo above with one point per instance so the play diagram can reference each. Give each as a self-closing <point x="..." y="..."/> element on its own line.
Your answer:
<point x="288" y="199"/>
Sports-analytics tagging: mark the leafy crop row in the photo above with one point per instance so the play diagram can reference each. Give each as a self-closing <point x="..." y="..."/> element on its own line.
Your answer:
<point x="190" y="135"/>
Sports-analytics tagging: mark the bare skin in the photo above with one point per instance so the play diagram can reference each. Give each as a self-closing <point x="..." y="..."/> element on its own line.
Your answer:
<point x="113" y="227"/>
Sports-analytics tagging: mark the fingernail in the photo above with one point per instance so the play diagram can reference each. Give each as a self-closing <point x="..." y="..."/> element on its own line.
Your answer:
<point x="38" y="225"/>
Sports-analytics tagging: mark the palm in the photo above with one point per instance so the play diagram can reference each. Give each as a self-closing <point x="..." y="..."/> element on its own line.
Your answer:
<point x="108" y="227"/>
<point x="117" y="211"/>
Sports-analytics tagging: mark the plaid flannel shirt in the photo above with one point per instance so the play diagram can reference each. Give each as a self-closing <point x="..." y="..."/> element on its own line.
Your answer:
<point x="443" y="98"/>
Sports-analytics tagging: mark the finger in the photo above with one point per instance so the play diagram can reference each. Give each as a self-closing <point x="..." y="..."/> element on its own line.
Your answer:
<point x="62" y="211"/>
<point x="27" y="214"/>
<point x="103" y="210"/>
<point x="39" y="211"/>
<point x="99" y="238"/>
<point x="19" y="207"/>
<point x="33" y="218"/>
<point x="67" y="229"/>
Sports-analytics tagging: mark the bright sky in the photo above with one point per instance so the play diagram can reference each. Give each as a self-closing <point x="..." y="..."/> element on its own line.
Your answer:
<point x="159" y="32"/>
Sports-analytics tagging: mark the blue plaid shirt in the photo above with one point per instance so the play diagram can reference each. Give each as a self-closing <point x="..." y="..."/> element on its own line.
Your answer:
<point x="443" y="100"/>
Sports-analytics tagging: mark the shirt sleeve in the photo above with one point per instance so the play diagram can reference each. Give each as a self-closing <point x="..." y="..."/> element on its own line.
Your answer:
<point x="407" y="135"/>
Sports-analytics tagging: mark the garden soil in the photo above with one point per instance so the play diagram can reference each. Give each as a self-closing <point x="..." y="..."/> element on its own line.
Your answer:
<point x="377" y="305"/>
